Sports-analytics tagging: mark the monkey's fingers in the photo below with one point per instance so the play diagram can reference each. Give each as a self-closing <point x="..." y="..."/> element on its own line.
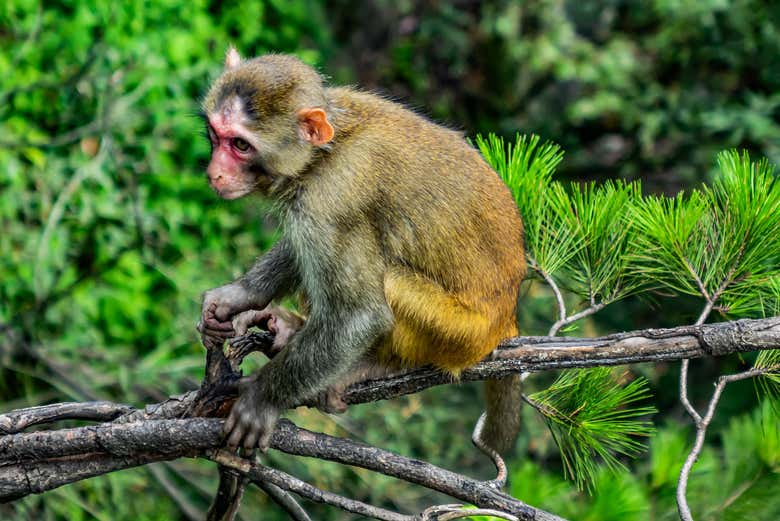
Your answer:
<point x="265" y="439"/>
<point x="236" y="435"/>
<point x="250" y="440"/>
<point x="243" y="321"/>
<point x="233" y="430"/>
<point x="230" y="422"/>
<point x="210" y="321"/>
<point x="211" y="342"/>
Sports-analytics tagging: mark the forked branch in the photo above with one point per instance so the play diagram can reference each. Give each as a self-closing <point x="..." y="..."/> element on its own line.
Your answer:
<point x="39" y="461"/>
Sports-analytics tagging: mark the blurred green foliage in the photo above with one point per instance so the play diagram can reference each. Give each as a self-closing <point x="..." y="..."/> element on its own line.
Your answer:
<point x="110" y="232"/>
<point x="652" y="89"/>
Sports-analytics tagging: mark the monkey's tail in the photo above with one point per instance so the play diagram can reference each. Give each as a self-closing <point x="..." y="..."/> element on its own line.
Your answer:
<point x="499" y="426"/>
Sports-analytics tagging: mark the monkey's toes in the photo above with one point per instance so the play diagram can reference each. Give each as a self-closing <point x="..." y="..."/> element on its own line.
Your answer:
<point x="239" y="431"/>
<point x="331" y="400"/>
<point x="250" y="427"/>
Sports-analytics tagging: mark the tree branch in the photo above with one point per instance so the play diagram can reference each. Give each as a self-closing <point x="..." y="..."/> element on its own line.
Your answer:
<point x="20" y="419"/>
<point x="39" y="461"/>
<point x="702" y="423"/>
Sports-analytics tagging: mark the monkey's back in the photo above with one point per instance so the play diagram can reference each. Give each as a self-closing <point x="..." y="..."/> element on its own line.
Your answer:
<point x="447" y="227"/>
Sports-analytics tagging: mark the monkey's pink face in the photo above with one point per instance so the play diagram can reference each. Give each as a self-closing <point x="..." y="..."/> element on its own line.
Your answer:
<point x="232" y="169"/>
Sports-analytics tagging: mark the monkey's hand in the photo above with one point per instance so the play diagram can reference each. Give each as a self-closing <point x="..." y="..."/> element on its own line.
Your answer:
<point x="252" y="420"/>
<point x="219" y="306"/>
<point x="282" y="323"/>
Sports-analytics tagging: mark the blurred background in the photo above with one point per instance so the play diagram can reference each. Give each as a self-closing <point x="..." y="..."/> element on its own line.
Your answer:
<point x="109" y="232"/>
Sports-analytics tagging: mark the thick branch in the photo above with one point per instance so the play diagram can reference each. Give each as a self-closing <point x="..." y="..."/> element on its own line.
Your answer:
<point x="26" y="458"/>
<point x="40" y="461"/>
<point x="523" y="354"/>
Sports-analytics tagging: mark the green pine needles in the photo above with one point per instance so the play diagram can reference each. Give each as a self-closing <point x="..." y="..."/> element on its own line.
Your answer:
<point x="594" y="418"/>
<point x="721" y="242"/>
<point x="595" y="244"/>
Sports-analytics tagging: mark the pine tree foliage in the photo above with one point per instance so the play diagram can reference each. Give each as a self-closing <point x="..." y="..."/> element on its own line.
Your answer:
<point x="580" y="235"/>
<point x="594" y="418"/>
<point x="721" y="242"/>
<point x="597" y="217"/>
<point x="603" y="242"/>
<point x="527" y="167"/>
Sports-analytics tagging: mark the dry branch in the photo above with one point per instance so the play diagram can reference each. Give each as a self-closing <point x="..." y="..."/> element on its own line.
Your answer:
<point x="39" y="461"/>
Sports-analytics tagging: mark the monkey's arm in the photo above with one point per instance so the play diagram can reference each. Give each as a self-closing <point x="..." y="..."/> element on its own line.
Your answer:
<point x="347" y="318"/>
<point x="272" y="276"/>
<point x="321" y="351"/>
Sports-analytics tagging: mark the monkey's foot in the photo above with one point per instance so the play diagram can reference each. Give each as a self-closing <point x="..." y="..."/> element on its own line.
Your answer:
<point x="252" y="420"/>
<point x="331" y="400"/>
<point x="251" y="318"/>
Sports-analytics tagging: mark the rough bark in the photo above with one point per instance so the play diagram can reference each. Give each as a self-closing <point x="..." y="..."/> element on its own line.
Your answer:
<point x="38" y="461"/>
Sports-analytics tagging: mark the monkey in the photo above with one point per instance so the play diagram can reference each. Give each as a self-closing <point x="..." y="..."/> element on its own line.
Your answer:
<point x="406" y="246"/>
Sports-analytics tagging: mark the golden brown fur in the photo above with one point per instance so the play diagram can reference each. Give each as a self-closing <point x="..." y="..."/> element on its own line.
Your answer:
<point x="455" y="260"/>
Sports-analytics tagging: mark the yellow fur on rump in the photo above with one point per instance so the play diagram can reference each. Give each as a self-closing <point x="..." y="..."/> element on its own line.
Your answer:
<point x="434" y="327"/>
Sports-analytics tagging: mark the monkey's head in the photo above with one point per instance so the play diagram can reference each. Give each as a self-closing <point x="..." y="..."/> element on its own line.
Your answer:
<point x="266" y="118"/>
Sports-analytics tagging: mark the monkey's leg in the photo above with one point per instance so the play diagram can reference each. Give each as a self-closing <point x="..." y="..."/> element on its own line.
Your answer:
<point x="331" y="400"/>
<point x="439" y="328"/>
<point x="435" y="327"/>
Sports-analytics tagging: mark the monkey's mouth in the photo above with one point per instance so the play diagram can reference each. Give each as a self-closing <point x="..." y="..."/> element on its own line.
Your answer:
<point x="230" y="194"/>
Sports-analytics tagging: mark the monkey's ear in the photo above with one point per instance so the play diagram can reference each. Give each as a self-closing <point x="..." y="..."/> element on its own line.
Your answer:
<point x="315" y="127"/>
<point x="232" y="58"/>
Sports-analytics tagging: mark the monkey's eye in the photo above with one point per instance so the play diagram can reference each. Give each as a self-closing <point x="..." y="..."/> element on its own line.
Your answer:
<point x="241" y="144"/>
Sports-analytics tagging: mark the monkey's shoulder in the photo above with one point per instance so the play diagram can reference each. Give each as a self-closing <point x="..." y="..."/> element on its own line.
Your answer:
<point x="368" y="114"/>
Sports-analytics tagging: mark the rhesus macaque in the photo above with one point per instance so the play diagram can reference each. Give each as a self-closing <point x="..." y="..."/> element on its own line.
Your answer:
<point x="405" y="244"/>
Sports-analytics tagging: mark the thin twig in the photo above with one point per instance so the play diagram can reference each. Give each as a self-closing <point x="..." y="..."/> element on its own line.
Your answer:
<point x="21" y="419"/>
<point x="590" y="310"/>
<point x="697" y="279"/>
<point x="701" y="423"/>
<point x="564" y="320"/>
<point x="258" y="473"/>
<point x="701" y="431"/>
<point x="448" y="512"/>
<point x="686" y="402"/>
<point x="684" y="366"/>
<point x="285" y="501"/>
<point x="555" y="289"/>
